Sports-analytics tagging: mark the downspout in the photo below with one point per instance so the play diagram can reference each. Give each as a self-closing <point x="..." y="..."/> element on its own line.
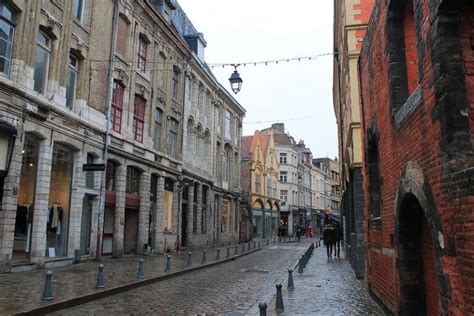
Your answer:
<point x="108" y="103"/>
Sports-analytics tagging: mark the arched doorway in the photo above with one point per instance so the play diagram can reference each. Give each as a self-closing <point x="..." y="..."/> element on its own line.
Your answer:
<point x="419" y="292"/>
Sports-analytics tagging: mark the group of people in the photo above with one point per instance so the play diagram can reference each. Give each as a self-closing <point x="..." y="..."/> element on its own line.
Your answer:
<point x="332" y="236"/>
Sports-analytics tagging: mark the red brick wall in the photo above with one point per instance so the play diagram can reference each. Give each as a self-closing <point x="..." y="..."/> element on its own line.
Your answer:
<point x="410" y="48"/>
<point x="364" y="10"/>
<point x="429" y="272"/>
<point x="416" y="139"/>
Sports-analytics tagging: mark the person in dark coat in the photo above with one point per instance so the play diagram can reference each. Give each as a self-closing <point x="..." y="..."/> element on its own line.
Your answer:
<point x="328" y="236"/>
<point x="338" y="237"/>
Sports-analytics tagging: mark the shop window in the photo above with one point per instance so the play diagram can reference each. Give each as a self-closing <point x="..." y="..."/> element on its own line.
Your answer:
<point x="7" y="25"/>
<point x="71" y="83"/>
<point x="26" y="195"/>
<point x="173" y="138"/>
<point x="57" y="226"/>
<point x="141" y="54"/>
<point x="78" y="9"/>
<point x="168" y="206"/>
<point x="42" y="61"/>
<point x="139" y="118"/>
<point x="110" y="176"/>
<point x="117" y="106"/>
<point x="158" y="123"/>
<point x="133" y="180"/>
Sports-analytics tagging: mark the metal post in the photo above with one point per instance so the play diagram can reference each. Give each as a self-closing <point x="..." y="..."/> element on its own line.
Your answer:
<point x="263" y="309"/>
<point x="48" y="290"/>
<point x="290" y="279"/>
<point x="141" y="272"/>
<point x="279" y="307"/>
<point x="243" y="248"/>
<point x="168" y="263"/>
<point x="248" y="249"/>
<point x="204" y="259"/>
<point x="228" y="252"/>
<point x="259" y="245"/>
<point x="218" y="254"/>
<point x="190" y="260"/>
<point x="100" y="277"/>
<point x="236" y="250"/>
<point x="268" y="242"/>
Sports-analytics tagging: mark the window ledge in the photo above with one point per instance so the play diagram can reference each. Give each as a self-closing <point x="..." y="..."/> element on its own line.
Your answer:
<point x="409" y="106"/>
<point x="82" y="26"/>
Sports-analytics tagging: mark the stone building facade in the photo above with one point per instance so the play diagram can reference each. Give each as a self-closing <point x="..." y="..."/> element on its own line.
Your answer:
<point x="416" y="79"/>
<point x="260" y="200"/>
<point x="56" y="79"/>
<point x="350" y="23"/>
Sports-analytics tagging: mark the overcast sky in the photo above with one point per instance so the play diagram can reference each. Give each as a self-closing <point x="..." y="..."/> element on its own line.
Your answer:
<point x="298" y="94"/>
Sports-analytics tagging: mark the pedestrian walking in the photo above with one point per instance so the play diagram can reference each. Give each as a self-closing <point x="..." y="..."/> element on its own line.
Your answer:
<point x="328" y="237"/>
<point x="338" y="237"/>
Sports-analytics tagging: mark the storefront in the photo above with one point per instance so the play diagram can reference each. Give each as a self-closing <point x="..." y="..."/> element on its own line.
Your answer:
<point x="258" y="221"/>
<point x="132" y="207"/>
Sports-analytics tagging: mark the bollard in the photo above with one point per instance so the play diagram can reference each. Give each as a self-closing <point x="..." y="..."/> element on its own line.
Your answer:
<point x="243" y="248"/>
<point x="263" y="309"/>
<point x="218" y="254"/>
<point x="190" y="259"/>
<point x="100" y="277"/>
<point x="77" y="255"/>
<point x="290" y="279"/>
<point x="228" y="252"/>
<point x="236" y="250"/>
<point x="248" y="247"/>
<point x="48" y="290"/>
<point x="204" y="259"/>
<point x="279" y="299"/>
<point x="300" y="266"/>
<point x="168" y="263"/>
<point x="259" y="245"/>
<point x="254" y="244"/>
<point x="274" y="240"/>
<point x="140" y="273"/>
<point x="268" y="242"/>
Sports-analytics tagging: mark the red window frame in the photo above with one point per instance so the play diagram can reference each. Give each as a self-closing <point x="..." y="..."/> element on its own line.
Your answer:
<point x="117" y="106"/>
<point x="141" y="55"/>
<point x="139" y="118"/>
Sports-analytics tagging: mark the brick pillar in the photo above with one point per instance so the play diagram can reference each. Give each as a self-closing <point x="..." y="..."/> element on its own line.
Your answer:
<point x="159" y="212"/>
<point x="199" y="209"/>
<point x="9" y="206"/>
<point x="189" y="215"/>
<point x="144" y="215"/>
<point x="119" y="214"/>
<point x="77" y="200"/>
<point x="43" y="179"/>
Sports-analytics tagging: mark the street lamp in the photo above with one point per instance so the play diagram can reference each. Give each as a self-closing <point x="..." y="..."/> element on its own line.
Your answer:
<point x="7" y="140"/>
<point x="235" y="80"/>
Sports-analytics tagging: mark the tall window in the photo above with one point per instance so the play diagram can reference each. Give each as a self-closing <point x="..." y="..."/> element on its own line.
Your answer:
<point x="72" y="74"/>
<point x="226" y="165"/>
<point x="7" y="27"/>
<point x="283" y="198"/>
<point x="173" y="138"/>
<point x="257" y="183"/>
<point x="133" y="180"/>
<point x="141" y="55"/>
<point x="283" y="176"/>
<point x="218" y="120"/>
<point x="139" y="118"/>
<point x="228" y="125"/>
<point x="117" y="106"/>
<point x="283" y="158"/>
<point x="158" y="120"/>
<point x="42" y="57"/>
<point x="79" y="9"/>
<point x="174" y="83"/>
<point x="269" y="186"/>
<point x="90" y="174"/>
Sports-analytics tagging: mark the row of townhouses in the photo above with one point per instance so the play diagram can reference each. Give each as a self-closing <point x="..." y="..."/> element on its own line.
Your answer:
<point x="283" y="186"/>
<point x="119" y="86"/>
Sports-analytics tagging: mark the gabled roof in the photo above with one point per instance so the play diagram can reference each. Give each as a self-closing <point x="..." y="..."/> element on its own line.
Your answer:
<point x="246" y="146"/>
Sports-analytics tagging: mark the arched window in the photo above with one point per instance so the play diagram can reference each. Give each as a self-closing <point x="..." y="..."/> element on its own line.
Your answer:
<point x="226" y="169"/>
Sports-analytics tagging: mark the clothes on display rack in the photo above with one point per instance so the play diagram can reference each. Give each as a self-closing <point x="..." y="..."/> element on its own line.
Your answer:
<point x="55" y="216"/>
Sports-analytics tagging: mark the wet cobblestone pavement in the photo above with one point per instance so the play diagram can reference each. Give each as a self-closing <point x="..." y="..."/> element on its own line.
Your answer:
<point x="327" y="287"/>
<point x="20" y="292"/>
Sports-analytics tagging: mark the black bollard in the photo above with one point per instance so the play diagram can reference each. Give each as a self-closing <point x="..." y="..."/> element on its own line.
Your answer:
<point x="228" y="252"/>
<point x="268" y="242"/>
<point x="218" y="254"/>
<point x="249" y="247"/>
<point x="259" y="245"/>
<point x="48" y="290"/>
<point x="290" y="279"/>
<point x="100" y="277"/>
<point x="204" y="259"/>
<point x="190" y="259"/>
<point x="168" y="263"/>
<point x="300" y="266"/>
<point x="140" y="273"/>
<point x="279" y="307"/>
<point x="263" y="309"/>
<point x="236" y="250"/>
<point x="243" y="248"/>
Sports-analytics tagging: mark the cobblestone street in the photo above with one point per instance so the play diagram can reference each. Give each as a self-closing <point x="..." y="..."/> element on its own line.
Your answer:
<point x="327" y="287"/>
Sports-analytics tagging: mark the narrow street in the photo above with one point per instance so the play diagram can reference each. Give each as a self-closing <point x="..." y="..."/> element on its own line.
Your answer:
<point x="326" y="287"/>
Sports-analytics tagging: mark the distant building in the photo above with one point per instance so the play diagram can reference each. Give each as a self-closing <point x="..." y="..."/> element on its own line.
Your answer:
<point x="260" y="199"/>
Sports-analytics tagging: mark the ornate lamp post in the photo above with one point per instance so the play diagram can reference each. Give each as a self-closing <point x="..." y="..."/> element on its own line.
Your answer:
<point x="235" y="80"/>
<point x="7" y="140"/>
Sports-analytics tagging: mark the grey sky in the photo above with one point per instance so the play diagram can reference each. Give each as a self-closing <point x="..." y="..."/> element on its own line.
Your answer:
<point x="297" y="93"/>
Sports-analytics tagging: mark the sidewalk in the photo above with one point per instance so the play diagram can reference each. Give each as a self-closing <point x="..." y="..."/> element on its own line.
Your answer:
<point x="21" y="292"/>
<point x="326" y="287"/>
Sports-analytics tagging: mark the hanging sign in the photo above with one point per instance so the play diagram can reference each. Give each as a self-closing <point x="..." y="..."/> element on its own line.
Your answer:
<point x="93" y="167"/>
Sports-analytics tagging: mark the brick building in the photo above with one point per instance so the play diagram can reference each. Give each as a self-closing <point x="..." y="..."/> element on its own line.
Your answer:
<point x="416" y="73"/>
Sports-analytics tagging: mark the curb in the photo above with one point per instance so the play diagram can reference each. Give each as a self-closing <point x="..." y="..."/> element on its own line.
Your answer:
<point x="126" y="287"/>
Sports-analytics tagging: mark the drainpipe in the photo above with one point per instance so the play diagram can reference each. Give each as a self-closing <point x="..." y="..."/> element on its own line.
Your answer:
<point x="108" y="102"/>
